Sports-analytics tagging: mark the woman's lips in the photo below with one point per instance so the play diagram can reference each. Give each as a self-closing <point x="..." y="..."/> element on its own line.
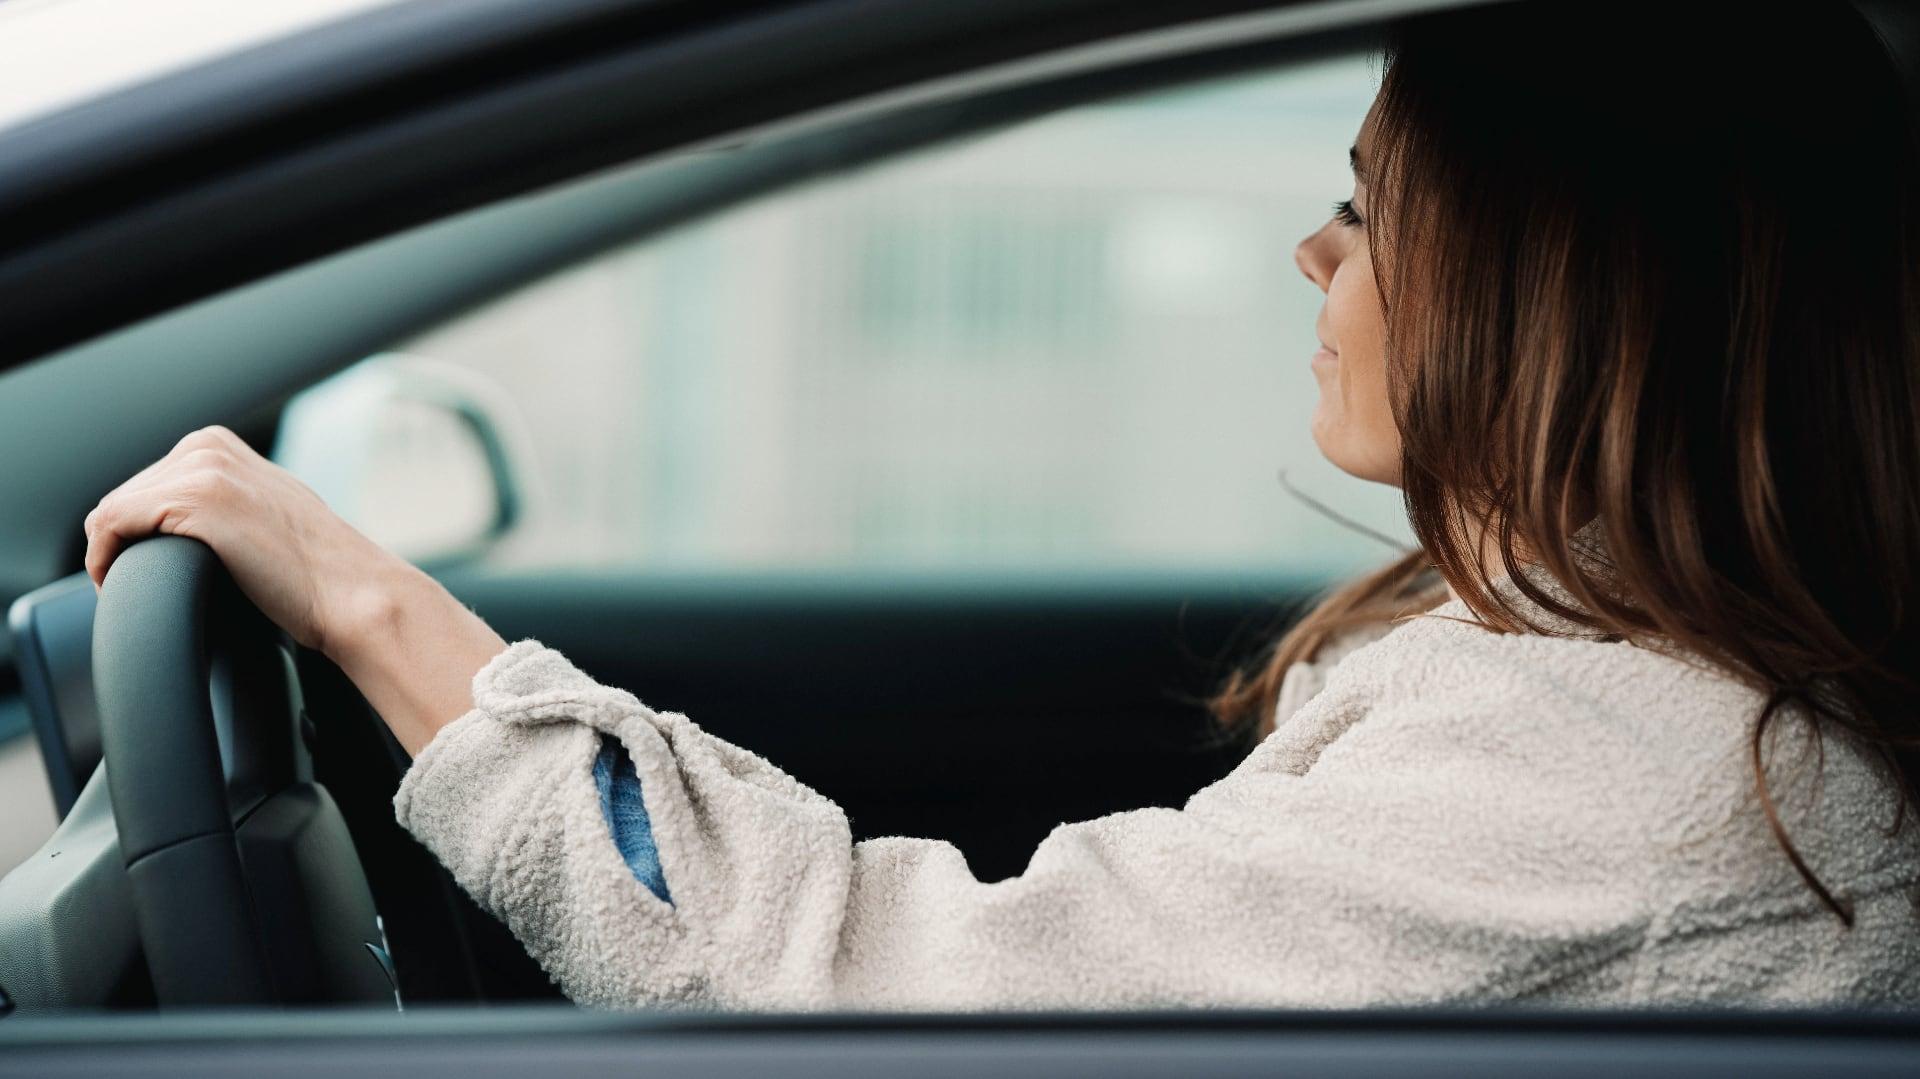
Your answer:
<point x="1324" y="356"/>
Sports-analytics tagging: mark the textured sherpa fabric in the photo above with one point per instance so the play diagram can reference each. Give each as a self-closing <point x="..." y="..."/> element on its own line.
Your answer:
<point x="1305" y="679"/>
<point x="622" y="804"/>
<point x="1456" y="816"/>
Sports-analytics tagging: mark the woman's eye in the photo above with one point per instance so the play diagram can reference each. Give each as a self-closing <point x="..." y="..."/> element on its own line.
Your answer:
<point x="1343" y="212"/>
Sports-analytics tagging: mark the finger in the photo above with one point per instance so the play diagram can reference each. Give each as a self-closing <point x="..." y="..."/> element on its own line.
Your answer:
<point x="108" y="533"/>
<point x="204" y="440"/>
<point x="146" y="475"/>
<point x="211" y="435"/>
<point x="213" y="445"/>
<point x="207" y="448"/>
<point x="185" y="457"/>
<point x="127" y="516"/>
<point x="216" y="436"/>
<point x="180" y="461"/>
<point x="194" y="443"/>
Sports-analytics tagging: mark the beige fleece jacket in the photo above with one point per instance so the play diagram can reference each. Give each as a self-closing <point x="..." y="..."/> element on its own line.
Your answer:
<point x="1455" y="817"/>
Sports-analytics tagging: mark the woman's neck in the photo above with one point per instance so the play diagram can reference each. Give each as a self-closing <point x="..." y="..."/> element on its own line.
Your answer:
<point x="1484" y="541"/>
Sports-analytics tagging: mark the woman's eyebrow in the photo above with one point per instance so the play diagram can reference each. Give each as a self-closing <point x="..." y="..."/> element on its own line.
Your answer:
<point x="1353" y="159"/>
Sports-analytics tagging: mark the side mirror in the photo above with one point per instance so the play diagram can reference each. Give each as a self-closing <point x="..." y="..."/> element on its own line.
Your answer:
<point x="415" y="452"/>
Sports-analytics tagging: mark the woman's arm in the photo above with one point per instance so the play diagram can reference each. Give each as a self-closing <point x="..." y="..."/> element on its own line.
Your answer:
<point x="1397" y="874"/>
<point x="1387" y="853"/>
<point x="411" y="649"/>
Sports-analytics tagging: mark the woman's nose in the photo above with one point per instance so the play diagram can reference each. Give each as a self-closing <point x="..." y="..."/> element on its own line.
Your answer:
<point x="1315" y="257"/>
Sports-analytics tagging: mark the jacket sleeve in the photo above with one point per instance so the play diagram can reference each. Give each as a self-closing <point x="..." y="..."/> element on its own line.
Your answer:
<point x="1331" y="886"/>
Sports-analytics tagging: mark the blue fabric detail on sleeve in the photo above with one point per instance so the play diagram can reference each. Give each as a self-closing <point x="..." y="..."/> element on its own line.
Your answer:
<point x="626" y="815"/>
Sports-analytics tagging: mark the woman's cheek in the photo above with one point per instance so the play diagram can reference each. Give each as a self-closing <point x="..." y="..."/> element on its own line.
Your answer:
<point x="1370" y="435"/>
<point x="1353" y="419"/>
<point x="1370" y="413"/>
<point x="1328" y="424"/>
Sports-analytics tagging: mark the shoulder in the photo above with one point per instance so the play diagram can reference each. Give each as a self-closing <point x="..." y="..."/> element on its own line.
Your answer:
<point x="1604" y="717"/>
<point x="1306" y="678"/>
<point x="1447" y="655"/>
<point x="1651" y="750"/>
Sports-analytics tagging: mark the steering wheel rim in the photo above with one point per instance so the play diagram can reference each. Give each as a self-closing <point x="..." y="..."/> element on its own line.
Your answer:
<point x="246" y="887"/>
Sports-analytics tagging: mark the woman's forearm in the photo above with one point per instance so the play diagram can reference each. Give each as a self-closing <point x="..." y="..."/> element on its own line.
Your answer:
<point x="412" y="649"/>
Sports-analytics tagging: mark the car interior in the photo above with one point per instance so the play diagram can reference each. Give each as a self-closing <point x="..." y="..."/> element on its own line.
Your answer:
<point x="981" y="697"/>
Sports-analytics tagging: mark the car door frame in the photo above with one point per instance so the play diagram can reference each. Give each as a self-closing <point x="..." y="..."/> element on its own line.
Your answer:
<point x="89" y="205"/>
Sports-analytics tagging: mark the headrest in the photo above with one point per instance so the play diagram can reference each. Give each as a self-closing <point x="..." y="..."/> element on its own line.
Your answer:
<point x="1898" y="24"/>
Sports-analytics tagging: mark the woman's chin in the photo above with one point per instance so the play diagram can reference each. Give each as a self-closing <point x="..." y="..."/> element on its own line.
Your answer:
<point x="1338" y="448"/>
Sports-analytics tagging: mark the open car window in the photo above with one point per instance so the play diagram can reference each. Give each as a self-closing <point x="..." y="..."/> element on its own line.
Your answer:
<point x="1080" y="344"/>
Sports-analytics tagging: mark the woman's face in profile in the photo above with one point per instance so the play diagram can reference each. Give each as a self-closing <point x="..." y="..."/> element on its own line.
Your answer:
<point x="1353" y="422"/>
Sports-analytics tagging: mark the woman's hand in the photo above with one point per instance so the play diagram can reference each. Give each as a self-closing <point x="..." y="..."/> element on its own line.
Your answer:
<point x="291" y="554"/>
<point x="409" y="645"/>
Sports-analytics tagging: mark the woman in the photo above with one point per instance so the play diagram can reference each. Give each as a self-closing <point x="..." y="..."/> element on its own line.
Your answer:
<point x="1632" y="323"/>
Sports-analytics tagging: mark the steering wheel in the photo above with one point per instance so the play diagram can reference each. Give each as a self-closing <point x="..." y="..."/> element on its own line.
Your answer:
<point x="246" y="885"/>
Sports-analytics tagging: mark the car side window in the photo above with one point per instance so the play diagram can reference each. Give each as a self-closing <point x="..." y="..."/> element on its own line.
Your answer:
<point x="1080" y="343"/>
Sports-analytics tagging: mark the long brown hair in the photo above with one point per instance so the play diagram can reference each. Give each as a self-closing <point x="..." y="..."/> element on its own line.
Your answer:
<point x="1656" y="266"/>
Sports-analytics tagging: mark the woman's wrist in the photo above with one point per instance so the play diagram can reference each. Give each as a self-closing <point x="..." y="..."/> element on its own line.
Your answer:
<point x="411" y="648"/>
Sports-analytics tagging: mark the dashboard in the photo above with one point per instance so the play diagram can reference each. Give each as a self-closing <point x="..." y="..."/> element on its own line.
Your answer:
<point x="53" y="648"/>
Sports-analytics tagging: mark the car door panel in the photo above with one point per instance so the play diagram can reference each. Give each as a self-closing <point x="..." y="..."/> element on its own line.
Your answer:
<point x="984" y="716"/>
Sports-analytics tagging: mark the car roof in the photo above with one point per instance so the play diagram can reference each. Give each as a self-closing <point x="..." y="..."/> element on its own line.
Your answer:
<point x="59" y="53"/>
